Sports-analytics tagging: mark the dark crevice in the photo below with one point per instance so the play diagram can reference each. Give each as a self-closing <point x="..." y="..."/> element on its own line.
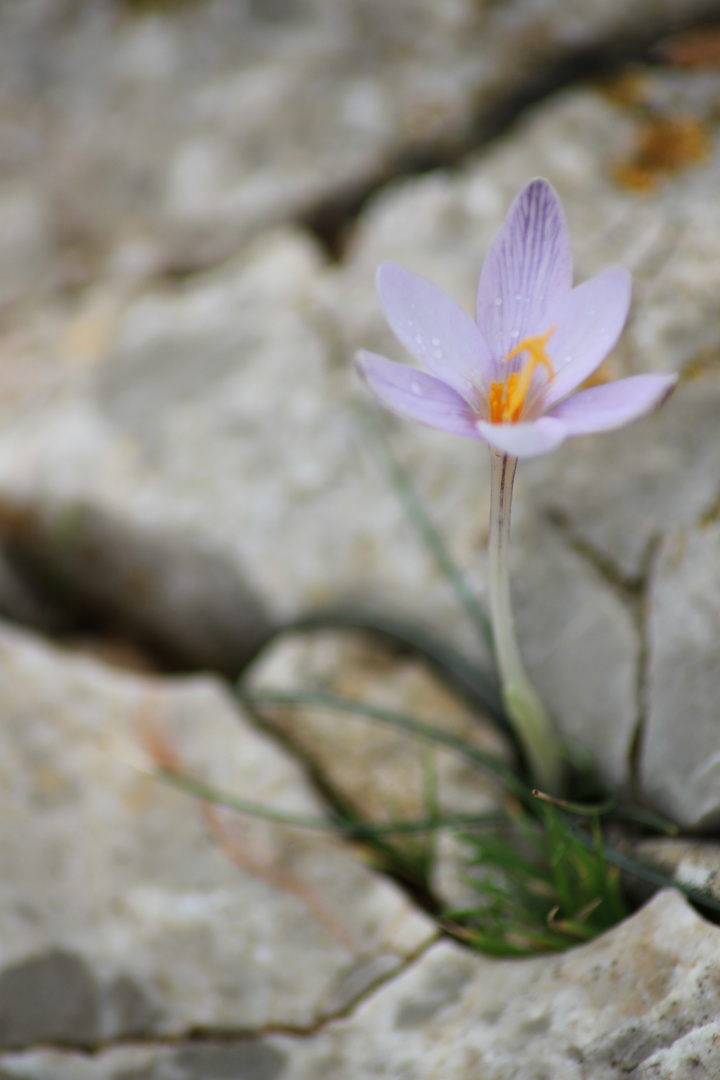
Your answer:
<point x="641" y="622"/>
<point x="629" y="588"/>
<point x="332" y="218"/>
<point x="224" y="1037"/>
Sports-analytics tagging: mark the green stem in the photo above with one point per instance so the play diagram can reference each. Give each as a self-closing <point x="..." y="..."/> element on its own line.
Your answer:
<point x="522" y="704"/>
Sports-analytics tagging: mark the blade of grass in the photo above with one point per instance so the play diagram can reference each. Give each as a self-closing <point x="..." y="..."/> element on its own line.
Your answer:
<point x="363" y="711"/>
<point x="353" y="829"/>
<point x="472" y="680"/>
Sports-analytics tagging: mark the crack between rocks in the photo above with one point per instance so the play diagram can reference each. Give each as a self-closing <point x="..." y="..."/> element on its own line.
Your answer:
<point x="642" y="684"/>
<point x="628" y="588"/>
<point x="201" y="1036"/>
<point x="331" y="219"/>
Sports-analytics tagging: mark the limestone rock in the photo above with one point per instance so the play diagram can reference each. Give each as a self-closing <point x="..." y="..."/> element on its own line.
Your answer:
<point x="680" y="756"/>
<point x="129" y="909"/>
<point x="643" y="1000"/>
<point x="142" y="137"/>
<point x="580" y="643"/>
<point x="694" y="864"/>
<point x="380" y="773"/>
<point x="213" y="426"/>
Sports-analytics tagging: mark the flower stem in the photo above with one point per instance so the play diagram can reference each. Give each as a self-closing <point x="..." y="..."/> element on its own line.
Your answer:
<point x="522" y="704"/>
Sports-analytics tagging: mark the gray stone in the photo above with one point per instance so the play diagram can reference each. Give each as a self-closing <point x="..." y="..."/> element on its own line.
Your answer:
<point x="141" y="137"/>
<point x="580" y="643"/>
<point x="643" y="1000"/>
<point x="382" y="773"/>
<point x="680" y="756"/>
<point x="131" y="910"/>
<point x="48" y="999"/>
<point x="694" y="864"/>
<point x="206" y="450"/>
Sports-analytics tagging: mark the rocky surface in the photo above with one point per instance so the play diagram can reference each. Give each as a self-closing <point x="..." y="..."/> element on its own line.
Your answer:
<point x="164" y="479"/>
<point x="179" y="464"/>
<point x="130" y="910"/>
<point x="375" y="771"/>
<point x="140" y="137"/>
<point x="643" y="1001"/>
<point x="694" y="864"/>
<point x="680" y="757"/>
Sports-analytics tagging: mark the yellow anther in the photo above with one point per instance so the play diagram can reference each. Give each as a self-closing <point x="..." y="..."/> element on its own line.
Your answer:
<point x="507" y="398"/>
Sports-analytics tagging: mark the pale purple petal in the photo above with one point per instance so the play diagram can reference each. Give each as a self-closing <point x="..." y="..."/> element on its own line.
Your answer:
<point x="433" y="328"/>
<point x="602" y="408"/>
<point x="524" y="439"/>
<point x="588" y="323"/>
<point x="528" y="268"/>
<point x="411" y="393"/>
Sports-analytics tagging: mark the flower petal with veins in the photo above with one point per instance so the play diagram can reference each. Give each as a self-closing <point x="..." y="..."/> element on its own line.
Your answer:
<point x="507" y="380"/>
<point x="604" y="408"/>
<point x="527" y="270"/>
<point x="433" y="328"/>
<point x="411" y="393"/>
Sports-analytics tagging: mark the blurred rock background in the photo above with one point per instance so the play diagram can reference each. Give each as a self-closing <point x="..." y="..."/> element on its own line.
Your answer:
<point x="194" y="196"/>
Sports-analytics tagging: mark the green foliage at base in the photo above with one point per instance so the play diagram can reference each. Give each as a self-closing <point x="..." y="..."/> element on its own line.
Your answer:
<point x="540" y="886"/>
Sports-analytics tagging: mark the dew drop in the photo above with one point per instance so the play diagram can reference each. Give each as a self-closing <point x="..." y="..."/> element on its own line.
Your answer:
<point x="518" y="296"/>
<point x="438" y="354"/>
<point x="418" y="338"/>
<point x="436" y="341"/>
<point x="498" y="300"/>
<point x="515" y="333"/>
<point x="415" y="387"/>
<point x="568" y="359"/>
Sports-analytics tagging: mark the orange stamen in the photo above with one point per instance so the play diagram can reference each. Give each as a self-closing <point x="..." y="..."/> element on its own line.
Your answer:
<point x="507" y="398"/>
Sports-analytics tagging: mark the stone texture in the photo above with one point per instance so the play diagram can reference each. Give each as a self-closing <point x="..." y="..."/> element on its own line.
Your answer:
<point x="692" y="863"/>
<point x="130" y="910"/>
<point x="379" y="773"/>
<point x="580" y="643"/>
<point x="680" y="755"/>
<point x="643" y="1001"/>
<point x="142" y="137"/>
<point x="200" y="479"/>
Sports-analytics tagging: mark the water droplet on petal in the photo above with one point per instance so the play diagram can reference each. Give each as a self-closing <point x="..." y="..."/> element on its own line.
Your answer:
<point x="419" y="339"/>
<point x="498" y="300"/>
<point x="415" y="387"/>
<point x="436" y="341"/>
<point x="438" y="354"/>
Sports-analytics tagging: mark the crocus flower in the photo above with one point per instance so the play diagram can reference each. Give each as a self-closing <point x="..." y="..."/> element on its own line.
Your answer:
<point x="512" y="378"/>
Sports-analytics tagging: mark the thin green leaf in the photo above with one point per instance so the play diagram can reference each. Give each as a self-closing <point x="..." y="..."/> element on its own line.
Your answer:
<point x="362" y="710"/>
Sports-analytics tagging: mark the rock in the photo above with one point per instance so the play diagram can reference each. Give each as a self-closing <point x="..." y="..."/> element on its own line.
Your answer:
<point x="580" y="643"/>
<point x="207" y="451"/>
<point x="616" y="495"/>
<point x="140" y="138"/>
<point x="642" y="1000"/>
<point x="601" y="1010"/>
<point x="694" y="864"/>
<point x="129" y="910"/>
<point x="216" y="429"/>
<point x="679" y="759"/>
<point x="379" y="773"/>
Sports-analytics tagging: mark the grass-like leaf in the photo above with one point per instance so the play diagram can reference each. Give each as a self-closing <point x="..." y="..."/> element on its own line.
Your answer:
<point x="539" y="886"/>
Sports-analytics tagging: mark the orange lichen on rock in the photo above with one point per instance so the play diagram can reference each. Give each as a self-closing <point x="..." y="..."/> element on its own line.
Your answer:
<point x="665" y="145"/>
<point x="696" y="48"/>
